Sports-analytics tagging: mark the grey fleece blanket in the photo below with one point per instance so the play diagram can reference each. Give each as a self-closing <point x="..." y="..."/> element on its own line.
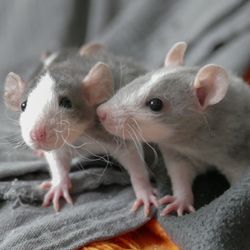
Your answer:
<point x="216" y="31"/>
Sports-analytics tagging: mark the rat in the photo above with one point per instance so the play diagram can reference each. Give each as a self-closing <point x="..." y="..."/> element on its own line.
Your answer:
<point x="58" y="117"/>
<point x="198" y="116"/>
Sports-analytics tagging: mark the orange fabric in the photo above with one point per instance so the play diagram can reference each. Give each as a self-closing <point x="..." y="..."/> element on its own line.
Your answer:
<point x="247" y="76"/>
<point x="148" y="237"/>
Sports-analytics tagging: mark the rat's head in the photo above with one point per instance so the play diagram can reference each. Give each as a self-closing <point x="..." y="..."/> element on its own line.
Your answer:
<point x="164" y="102"/>
<point x="61" y="106"/>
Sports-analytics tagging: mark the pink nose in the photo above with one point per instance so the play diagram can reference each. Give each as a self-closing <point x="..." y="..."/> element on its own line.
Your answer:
<point x="38" y="134"/>
<point x="102" y="115"/>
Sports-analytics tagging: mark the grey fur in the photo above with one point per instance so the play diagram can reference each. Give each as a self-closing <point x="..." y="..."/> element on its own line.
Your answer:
<point x="69" y="73"/>
<point x="68" y="62"/>
<point x="218" y="136"/>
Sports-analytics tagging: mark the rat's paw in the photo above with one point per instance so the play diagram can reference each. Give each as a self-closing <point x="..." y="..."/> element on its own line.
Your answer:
<point x="147" y="198"/>
<point x="56" y="192"/>
<point x="176" y="204"/>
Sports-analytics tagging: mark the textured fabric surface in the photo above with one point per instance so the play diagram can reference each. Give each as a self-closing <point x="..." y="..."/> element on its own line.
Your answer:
<point x="216" y="31"/>
<point x="98" y="212"/>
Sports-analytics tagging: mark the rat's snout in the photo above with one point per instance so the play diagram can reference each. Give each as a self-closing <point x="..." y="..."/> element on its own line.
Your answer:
<point x="110" y="119"/>
<point x="102" y="114"/>
<point x="106" y="116"/>
<point x="38" y="134"/>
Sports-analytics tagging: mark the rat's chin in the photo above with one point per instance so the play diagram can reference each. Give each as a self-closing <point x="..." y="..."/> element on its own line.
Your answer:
<point x="38" y="146"/>
<point x="115" y="130"/>
<point x="45" y="146"/>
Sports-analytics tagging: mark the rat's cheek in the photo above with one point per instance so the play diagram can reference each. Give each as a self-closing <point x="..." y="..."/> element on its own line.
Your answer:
<point x="120" y="129"/>
<point x="111" y="121"/>
<point x="117" y="129"/>
<point x="67" y="133"/>
<point x="153" y="132"/>
<point x="25" y="130"/>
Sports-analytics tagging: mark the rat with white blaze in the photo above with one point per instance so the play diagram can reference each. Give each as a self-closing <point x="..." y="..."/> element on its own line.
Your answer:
<point x="199" y="117"/>
<point x="58" y="116"/>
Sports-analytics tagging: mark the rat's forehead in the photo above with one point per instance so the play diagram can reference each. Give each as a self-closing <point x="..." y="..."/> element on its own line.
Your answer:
<point x="162" y="74"/>
<point x="170" y="73"/>
<point x="45" y="84"/>
<point x="154" y="79"/>
<point x="173" y="75"/>
<point x="43" y="91"/>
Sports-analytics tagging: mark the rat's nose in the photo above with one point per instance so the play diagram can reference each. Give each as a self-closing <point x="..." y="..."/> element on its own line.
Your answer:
<point x="102" y="114"/>
<point x="38" y="134"/>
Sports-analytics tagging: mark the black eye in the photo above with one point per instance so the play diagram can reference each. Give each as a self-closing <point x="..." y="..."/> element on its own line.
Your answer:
<point x="155" y="104"/>
<point x="23" y="105"/>
<point x="65" y="103"/>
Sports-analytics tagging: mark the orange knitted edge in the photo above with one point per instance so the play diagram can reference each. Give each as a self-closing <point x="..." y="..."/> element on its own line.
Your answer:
<point x="247" y="76"/>
<point x="149" y="236"/>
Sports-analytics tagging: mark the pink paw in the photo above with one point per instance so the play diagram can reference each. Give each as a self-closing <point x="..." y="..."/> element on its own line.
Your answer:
<point x="176" y="204"/>
<point x="146" y="197"/>
<point x="56" y="192"/>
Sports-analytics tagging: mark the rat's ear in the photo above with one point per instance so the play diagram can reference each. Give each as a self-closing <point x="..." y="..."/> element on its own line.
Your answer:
<point x="13" y="91"/>
<point x="91" y="49"/>
<point x="175" y="56"/>
<point x="210" y="85"/>
<point x="98" y="84"/>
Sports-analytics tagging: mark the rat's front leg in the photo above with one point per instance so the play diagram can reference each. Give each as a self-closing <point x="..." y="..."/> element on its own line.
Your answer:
<point x="182" y="174"/>
<point x="59" y="165"/>
<point x="133" y="162"/>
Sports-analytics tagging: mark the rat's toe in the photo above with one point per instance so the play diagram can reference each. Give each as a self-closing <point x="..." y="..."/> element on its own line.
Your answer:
<point x="67" y="197"/>
<point x="137" y="204"/>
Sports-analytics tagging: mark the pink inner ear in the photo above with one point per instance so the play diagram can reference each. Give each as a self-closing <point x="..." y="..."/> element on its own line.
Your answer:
<point x="201" y="95"/>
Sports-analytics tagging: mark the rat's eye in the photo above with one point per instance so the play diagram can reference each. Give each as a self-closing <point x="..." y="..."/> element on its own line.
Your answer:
<point x="155" y="104"/>
<point x="23" y="105"/>
<point x="65" y="102"/>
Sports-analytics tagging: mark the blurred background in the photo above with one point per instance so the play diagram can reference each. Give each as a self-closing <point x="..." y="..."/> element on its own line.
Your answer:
<point x="216" y="31"/>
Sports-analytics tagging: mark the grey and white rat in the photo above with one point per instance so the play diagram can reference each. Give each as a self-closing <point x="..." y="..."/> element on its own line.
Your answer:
<point x="58" y="116"/>
<point x="197" y="116"/>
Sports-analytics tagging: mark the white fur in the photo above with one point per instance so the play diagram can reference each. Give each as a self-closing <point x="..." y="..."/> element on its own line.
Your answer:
<point x="59" y="163"/>
<point x="47" y="62"/>
<point x="155" y="79"/>
<point x="145" y="89"/>
<point x="38" y="102"/>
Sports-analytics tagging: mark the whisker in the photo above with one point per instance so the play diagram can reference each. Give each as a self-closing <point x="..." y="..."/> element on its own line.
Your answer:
<point x="83" y="147"/>
<point x="103" y="172"/>
<point x="15" y="121"/>
<point x="138" y="143"/>
<point x="211" y="132"/>
<point x="145" y="142"/>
